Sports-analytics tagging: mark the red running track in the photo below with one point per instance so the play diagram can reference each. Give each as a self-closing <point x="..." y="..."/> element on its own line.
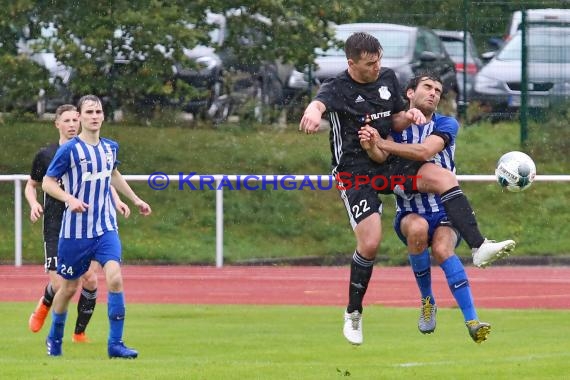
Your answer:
<point x="495" y="287"/>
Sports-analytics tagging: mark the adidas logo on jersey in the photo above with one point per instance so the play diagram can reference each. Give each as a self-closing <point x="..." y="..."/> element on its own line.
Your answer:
<point x="359" y="99"/>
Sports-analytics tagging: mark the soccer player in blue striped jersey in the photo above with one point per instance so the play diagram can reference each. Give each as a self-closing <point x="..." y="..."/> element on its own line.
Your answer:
<point x="67" y="123"/>
<point x="421" y="221"/>
<point x="87" y="166"/>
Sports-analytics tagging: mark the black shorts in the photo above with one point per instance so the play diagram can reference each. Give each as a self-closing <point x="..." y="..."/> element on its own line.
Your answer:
<point x="50" y="253"/>
<point x="360" y="203"/>
<point x="397" y="171"/>
<point x="359" y="191"/>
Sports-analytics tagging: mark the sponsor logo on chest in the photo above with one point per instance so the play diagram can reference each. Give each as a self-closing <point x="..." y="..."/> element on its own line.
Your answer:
<point x="380" y="115"/>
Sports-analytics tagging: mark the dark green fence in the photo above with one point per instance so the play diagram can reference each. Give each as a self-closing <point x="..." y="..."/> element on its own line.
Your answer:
<point x="528" y="80"/>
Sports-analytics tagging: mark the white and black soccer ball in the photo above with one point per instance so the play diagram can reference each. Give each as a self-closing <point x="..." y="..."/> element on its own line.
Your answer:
<point x="515" y="171"/>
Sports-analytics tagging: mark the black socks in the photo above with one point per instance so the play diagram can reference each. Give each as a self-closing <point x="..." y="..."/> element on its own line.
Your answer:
<point x="360" y="273"/>
<point x="48" y="295"/>
<point x="85" y="308"/>
<point x="462" y="216"/>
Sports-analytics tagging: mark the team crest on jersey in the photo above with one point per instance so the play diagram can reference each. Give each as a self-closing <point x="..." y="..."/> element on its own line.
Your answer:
<point x="109" y="155"/>
<point x="384" y="93"/>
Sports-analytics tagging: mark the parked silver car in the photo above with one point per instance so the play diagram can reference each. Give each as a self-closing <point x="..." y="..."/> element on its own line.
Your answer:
<point x="467" y="67"/>
<point x="499" y="83"/>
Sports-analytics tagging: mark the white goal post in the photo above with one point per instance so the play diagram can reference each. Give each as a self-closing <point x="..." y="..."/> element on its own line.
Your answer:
<point x="20" y="179"/>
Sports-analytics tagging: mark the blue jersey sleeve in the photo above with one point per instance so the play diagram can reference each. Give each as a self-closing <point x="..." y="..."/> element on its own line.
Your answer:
<point x="397" y="136"/>
<point x="447" y="125"/>
<point x="117" y="162"/>
<point x="61" y="161"/>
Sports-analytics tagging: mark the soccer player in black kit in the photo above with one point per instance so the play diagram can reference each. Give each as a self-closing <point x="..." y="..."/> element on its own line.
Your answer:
<point x="67" y="122"/>
<point x="368" y="94"/>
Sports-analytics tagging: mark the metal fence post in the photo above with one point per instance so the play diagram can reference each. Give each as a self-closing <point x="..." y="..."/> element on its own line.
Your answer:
<point x="18" y="222"/>
<point x="524" y="81"/>
<point x="219" y="224"/>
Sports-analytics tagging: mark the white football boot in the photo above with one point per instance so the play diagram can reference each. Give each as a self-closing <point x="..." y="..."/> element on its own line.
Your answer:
<point x="353" y="327"/>
<point x="491" y="251"/>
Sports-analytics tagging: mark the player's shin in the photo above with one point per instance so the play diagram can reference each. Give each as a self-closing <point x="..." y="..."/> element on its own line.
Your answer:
<point x="360" y="274"/>
<point x="116" y="314"/>
<point x="49" y="293"/>
<point x="421" y="266"/>
<point x="462" y="217"/>
<point x="57" y="326"/>
<point x="85" y="308"/>
<point x="459" y="286"/>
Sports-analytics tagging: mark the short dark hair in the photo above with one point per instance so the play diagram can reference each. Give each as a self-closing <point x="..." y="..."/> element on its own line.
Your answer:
<point x="361" y="42"/>
<point x="87" y="98"/>
<point x="64" y="108"/>
<point x="416" y="79"/>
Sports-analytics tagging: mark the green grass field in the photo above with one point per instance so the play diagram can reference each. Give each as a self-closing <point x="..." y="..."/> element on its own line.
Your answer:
<point x="288" y="342"/>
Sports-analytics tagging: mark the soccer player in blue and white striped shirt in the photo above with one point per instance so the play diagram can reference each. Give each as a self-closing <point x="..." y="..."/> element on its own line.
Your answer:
<point x="87" y="166"/>
<point x="421" y="221"/>
<point x="67" y="123"/>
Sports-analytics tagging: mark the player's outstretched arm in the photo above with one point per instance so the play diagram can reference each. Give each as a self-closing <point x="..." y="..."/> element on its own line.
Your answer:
<point x="418" y="152"/>
<point x="119" y="182"/>
<point x="404" y="119"/>
<point x="311" y="120"/>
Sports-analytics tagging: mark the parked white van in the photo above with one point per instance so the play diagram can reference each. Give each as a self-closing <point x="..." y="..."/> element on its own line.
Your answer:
<point x="537" y="16"/>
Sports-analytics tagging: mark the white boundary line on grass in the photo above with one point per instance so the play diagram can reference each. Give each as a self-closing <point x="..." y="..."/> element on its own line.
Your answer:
<point x="516" y="359"/>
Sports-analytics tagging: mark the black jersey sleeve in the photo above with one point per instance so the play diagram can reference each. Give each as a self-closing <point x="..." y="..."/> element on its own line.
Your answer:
<point x="38" y="169"/>
<point x="331" y="94"/>
<point x="42" y="161"/>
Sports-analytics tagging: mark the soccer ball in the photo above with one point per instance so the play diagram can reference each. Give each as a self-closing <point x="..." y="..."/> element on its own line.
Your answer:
<point x="515" y="171"/>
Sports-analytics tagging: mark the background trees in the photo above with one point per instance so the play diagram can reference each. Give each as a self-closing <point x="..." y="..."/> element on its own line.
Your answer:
<point x="96" y="38"/>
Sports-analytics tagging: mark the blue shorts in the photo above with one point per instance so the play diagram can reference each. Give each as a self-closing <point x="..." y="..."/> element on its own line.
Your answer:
<point x="434" y="220"/>
<point x="75" y="255"/>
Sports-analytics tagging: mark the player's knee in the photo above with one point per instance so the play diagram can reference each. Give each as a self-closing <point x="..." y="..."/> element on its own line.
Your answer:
<point x="368" y="247"/>
<point x="434" y="178"/>
<point x="113" y="276"/>
<point x="68" y="289"/>
<point x="452" y="181"/>
<point x="90" y="281"/>
<point x="417" y="246"/>
<point x="115" y="283"/>
<point x="417" y="237"/>
<point x="115" y="286"/>
<point x="446" y="180"/>
<point x="56" y="286"/>
<point x="441" y="252"/>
